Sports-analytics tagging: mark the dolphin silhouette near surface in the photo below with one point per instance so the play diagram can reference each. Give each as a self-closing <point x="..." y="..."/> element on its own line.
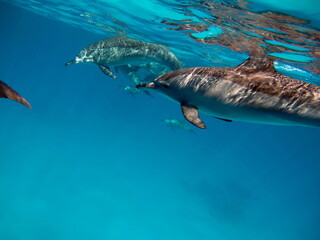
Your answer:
<point x="252" y="92"/>
<point x="8" y="92"/>
<point x="122" y="50"/>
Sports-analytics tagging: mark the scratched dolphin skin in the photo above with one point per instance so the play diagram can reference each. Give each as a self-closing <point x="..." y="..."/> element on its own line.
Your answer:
<point x="8" y="92"/>
<point x="252" y="92"/>
<point x="121" y="50"/>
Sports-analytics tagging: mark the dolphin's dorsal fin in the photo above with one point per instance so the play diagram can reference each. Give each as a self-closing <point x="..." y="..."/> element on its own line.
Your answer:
<point x="106" y="70"/>
<point x="256" y="64"/>
<point x="191" y="114"/>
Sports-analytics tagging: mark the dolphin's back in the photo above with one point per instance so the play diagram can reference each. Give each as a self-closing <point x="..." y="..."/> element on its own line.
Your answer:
<point x="117" y="41"/>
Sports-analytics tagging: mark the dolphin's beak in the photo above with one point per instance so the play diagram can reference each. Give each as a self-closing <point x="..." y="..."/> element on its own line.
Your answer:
<point x="146" y="85"/>
<point x="70" y="62"/>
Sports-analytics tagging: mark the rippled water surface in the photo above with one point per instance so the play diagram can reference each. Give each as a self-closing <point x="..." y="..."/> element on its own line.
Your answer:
<point x="216" y="30"/>
<point x="90" y="161"/>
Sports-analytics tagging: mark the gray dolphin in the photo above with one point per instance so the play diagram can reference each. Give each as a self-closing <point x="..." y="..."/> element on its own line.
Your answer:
<point x="8" y="92"/>
<point x="121" y="50"/>
<point x="251" y="92"/>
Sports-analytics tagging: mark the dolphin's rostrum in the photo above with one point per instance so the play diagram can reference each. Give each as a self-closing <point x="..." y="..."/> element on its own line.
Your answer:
<point x="251" y="92"/>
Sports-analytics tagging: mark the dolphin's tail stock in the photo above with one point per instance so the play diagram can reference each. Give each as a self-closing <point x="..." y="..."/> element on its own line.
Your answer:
<point x="8" y="92"/>
<point x="70" y="62"/>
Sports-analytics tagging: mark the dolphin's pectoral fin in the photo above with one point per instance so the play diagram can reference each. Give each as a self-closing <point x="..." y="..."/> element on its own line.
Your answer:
<point x="191" y="114"/>
<point x="223" y="119"/>
<point x="106" y="70"/>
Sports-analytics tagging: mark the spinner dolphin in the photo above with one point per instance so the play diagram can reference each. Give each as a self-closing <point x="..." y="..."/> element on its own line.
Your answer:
<point x="121" y="50"/>
<point x="8" y="92"/>
<point x="252" y="92"/>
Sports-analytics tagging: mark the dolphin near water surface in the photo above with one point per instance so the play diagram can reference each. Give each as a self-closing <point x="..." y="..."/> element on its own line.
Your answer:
<point x="252" y="92"/>
<point x="122" y="50"/>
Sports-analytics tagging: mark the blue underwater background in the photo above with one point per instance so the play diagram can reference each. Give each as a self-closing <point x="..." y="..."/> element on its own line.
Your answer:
<point x="88" y="161"/>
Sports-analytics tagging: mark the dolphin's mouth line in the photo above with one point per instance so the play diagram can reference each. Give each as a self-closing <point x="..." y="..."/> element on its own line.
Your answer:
<point x="70" y="62"/>
<point x="78" y="60"/>
<point x="146" y="85"/>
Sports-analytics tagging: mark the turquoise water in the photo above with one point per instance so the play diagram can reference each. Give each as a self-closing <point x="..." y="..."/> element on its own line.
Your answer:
<point x="91" y="162"/>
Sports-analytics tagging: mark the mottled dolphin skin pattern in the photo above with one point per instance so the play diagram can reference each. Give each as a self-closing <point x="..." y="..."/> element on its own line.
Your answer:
<point x="121" y="50"/>
<point x="252" y="92"/>
<point x="8" y="92"/>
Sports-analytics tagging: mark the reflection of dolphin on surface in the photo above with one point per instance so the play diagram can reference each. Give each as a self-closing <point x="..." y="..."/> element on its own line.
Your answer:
<point x="177" y="124"/>
<point x="121" y="50"/>
<point x="8" y="92"/>
<point x="251" y="92"/>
